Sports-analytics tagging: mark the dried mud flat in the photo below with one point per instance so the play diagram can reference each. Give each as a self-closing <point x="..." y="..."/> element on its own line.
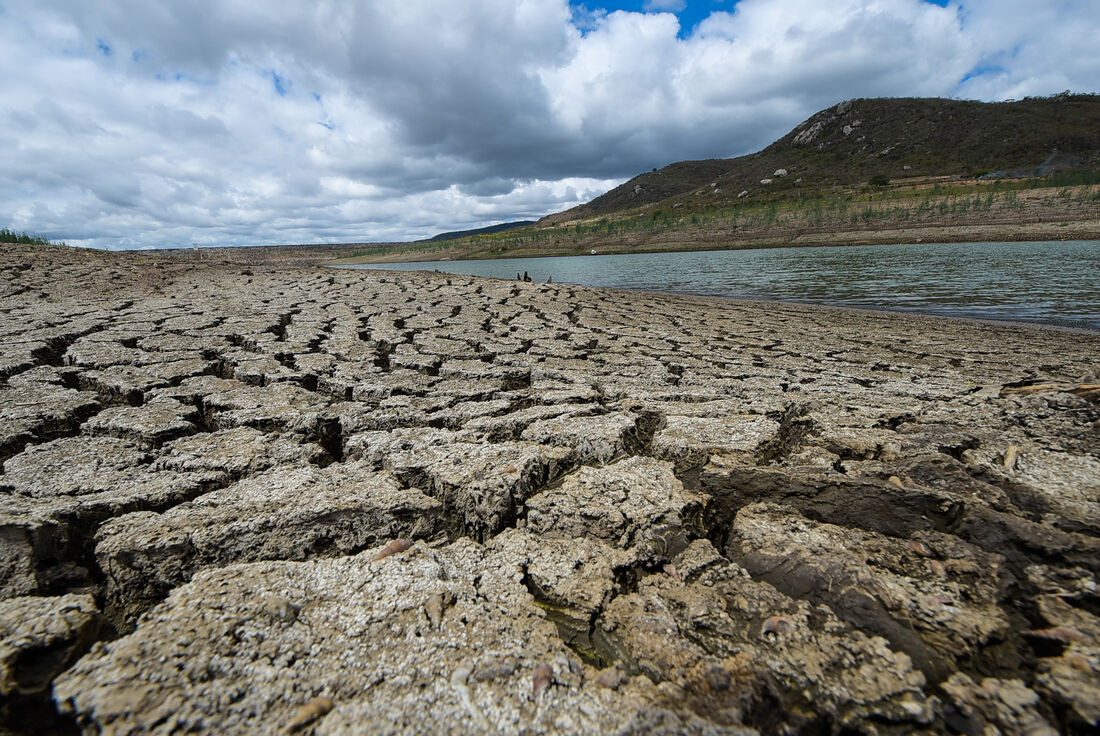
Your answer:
<point x="288" y="499"/>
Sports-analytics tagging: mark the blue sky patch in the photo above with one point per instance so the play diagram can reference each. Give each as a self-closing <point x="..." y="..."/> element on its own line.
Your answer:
<point x="689" y="12"/>
<point x="281" y="84"/>
<point x="103" y="47"/>
<point x="983" y="70"/>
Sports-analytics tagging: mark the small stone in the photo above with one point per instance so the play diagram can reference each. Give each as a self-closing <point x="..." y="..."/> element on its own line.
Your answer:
<point x="308" y="713"/>
<point x="610" y="678"/>
<point x="718" y="678"/>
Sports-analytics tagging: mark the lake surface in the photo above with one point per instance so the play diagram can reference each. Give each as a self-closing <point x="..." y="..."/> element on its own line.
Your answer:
<point x="1049" y="282"/>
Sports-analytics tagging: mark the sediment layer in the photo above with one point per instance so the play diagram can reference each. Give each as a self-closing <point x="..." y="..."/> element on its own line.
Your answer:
<point x="263" y="499"/>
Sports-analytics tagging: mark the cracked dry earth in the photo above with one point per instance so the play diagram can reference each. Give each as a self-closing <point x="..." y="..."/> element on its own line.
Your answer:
<point x="274" y="499"/>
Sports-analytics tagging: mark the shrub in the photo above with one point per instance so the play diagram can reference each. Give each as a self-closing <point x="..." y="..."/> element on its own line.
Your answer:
<point x="10" y="236"/>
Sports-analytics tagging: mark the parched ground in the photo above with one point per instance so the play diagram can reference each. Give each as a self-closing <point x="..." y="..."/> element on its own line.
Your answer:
<point x="262" y="499"/>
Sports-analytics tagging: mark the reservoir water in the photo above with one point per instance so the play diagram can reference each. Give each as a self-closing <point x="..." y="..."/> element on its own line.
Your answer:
<point x="1048" y="282"/>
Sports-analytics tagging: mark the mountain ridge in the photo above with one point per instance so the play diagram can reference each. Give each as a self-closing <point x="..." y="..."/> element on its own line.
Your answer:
<point x="488" y="230"/>
<point x="857" y="140"/>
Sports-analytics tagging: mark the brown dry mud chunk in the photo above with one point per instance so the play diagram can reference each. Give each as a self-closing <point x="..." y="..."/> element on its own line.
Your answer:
<point x="511" y="425"/>
<point x="35" y="412"/>
<point x="151" y="424"/>
<point x="1070" y="673"/>
<point x="926" y="492"/>
<point x="687" y="440"/>
<point x="77" y="466"/>
<point x="279" y="406"/>
<point x="54" y="495"/>
<point x="483" y="485"/>
<point x="286" y="513"/>
<point x="597" y="439"/>
<point x="89" y="473"/>
<point x="1066" y="487"/>
<point x="454" y="415"/>
<point x="41" y="637"/>
<point x="933" y="597"/>
<point x="237" y="452"/>
<point x="241" y="649"/>
<point x="1001" y="706"/>
<point x="572" y="580"/>
<point x="132" y="383"/>
<point x="634" y="503"/>
<point x="739" y="649"/>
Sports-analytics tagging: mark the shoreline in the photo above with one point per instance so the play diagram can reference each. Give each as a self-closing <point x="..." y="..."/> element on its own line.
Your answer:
<point x="771" y="301"/>
<point x="358" y="496"/>
<point x="1023" y="232"/>
<point x="581" y="274"/>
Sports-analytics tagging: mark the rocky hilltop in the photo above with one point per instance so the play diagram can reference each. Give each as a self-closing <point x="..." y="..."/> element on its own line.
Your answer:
<point x="854" y="141"/>
<point x="285" y="499"/>
<point x="867" y="171"/>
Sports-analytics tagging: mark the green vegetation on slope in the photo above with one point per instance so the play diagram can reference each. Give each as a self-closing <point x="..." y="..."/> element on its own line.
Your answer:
<point x="920" y="168"/>
<point x="855" y="141"/>
<point x="11" y="236"/>
<point x="480" y="231"/>
<point x="783" y="219"/>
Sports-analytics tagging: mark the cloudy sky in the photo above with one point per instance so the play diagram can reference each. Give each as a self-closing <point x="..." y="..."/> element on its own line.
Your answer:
<point x="137" y="123"/>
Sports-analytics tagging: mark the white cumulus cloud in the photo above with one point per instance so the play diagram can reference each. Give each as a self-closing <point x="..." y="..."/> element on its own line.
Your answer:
<point x="126" y="123"/>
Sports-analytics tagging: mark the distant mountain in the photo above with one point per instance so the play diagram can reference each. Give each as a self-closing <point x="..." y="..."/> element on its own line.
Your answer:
<point x="479" y="231"/>
<point x="860" y="140"/>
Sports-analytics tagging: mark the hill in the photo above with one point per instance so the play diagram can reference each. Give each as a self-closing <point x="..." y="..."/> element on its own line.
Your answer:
<point x="502" y="227"/>
<point x="861" y="172"/>
<point x="884" y="139"/>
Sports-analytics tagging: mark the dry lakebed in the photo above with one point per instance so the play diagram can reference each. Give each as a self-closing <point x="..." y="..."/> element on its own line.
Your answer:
<point x="277" y="498"/>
